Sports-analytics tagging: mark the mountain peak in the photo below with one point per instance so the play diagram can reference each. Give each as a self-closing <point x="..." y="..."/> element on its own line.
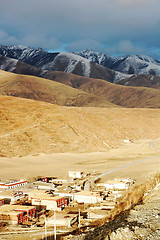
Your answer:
<point x="86" y="63"/>
<point x="130" y="64"/>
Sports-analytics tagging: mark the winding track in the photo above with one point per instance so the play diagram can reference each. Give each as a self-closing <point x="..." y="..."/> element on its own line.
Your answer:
<point x="151" y="145"/>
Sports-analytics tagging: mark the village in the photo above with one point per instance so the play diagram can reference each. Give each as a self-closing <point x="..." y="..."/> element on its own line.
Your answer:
<point x="62" y="205"/>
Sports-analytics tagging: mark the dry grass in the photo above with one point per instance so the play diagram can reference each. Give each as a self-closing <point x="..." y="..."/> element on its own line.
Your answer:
<point x="132" y="197"/>
<point x="120" y="95"/>
<point x="80" y="92"/>
<point x="48" y="91"/>
<point x="32" y="127"/>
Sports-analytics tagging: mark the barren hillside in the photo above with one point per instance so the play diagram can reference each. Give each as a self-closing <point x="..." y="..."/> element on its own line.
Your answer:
<point x="141" y="80"/>
<point x="32" y="87"/>
<point x="120" y="95"/>
<point x="31" y="127"/>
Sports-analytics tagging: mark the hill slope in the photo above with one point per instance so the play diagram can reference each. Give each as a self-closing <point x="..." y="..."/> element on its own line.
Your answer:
<point x="32" y="127"/>
<point x="120" y="95"/>
<point x="48" y="91"/>
<point x="96" y="92"/>
<point x="141" y="80"/>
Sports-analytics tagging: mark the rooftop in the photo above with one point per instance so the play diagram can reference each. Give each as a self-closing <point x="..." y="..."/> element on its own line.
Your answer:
<point x="39" y="194"/>
<point x="87" y="193"/>
<point x="114" y="181"/>
<point x="11" y="182"/>
<point x="62" y="215"/>
<point x="8" y="208"/>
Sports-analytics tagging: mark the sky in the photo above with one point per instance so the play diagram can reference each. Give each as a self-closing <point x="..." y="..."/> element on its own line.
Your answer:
<point x="115" y="27"/>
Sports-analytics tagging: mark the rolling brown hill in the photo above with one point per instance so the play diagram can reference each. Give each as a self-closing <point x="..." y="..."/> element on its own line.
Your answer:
<point x="125" y="96"/>
<point x="33" y="127"/>
<point x="141" y="80"/>
<point x="36" y="88"/>
<point x="100" y="91"/>
<point x="120" y="95"/>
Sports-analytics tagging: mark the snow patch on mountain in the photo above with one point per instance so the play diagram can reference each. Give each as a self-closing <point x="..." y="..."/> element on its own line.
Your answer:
<point x="118" y="76"/>
<point x="74" y="60"/>
<point x="70" y="60"/>
<point x="139" y="65"/>
<point x="8" y="64"/>
<point x="132" y="64"/>
<point x="98" y="57"/>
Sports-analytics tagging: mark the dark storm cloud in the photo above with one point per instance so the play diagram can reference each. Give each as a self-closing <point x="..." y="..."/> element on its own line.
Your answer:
<point x="114" y="26"/>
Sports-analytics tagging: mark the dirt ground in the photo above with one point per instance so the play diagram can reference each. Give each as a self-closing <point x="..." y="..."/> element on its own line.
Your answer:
<point x="58" y="164"/>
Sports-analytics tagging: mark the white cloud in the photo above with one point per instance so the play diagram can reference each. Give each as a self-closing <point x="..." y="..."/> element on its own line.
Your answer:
<point x="81" y="23"/>
<point x="39" y="40"/>
<point x="85" y="44"/>
<point x="5" y="38"/>
<point x="126" y="47"/>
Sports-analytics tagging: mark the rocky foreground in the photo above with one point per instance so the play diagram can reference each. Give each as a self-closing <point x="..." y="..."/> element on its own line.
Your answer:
<point x="143" y="222"/>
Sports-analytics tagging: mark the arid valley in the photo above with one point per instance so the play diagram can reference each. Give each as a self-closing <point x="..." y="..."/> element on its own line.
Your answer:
<point x="79" y="120"/>
<point x="49" y="128"/>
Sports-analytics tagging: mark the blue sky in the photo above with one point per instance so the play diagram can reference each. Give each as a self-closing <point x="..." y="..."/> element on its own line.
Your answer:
<point x="115" y="27"/>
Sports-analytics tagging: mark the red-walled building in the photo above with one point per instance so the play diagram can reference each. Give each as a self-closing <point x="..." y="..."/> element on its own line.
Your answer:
<point x="16" y="214"/>
<point x="39" y="198"/>
<point x="7" y="185"/>
<point x="1" y="201"/>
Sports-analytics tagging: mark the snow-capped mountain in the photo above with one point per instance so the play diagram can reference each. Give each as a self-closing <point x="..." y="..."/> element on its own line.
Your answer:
<point x="17" y="66"/>
<point x="97" y="57"/>
<point x="87" y="64"/>
<point x="35" y="57"/>
<point x="8" y="64"/>
<point x="138" y="64"/>
<point x="66" y="62"/>
<point x="133" y="64"/>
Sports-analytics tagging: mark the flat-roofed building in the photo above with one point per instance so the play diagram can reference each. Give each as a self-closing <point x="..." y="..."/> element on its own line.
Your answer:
<point x="62" y="219"/>
<point x="9" y="184"/>
<point x="87" y="197"/>
<point x="40" y="198"/>
<point x="16" y="214"/>
<point x="76" y="174"/>
<point x="40" y="185"/>
<point x="116" y="185"/>
<point x="11" y="196"/>
<point x="68" y="195"/>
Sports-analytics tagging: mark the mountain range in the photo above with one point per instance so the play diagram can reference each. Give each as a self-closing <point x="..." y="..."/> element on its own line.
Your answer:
<point x="136" y="70"/>
<point x="131" y="64"/>
<point x="66" y="62"/>
<point x="68" y="89"/>
<point x="46" y="111"/>
<point x="41" y="89"/>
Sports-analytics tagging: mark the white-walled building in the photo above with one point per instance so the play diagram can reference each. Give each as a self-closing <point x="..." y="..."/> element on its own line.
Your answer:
<point x="7" y="185"/>
<point x="39" y="198"/>
<point x="77" y="174"/>
<point x="87" y="197"/>
<point x="117" y="184"/>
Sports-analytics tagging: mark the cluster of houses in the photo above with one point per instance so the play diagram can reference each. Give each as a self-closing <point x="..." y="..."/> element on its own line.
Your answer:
<point x="77" y="199"/>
